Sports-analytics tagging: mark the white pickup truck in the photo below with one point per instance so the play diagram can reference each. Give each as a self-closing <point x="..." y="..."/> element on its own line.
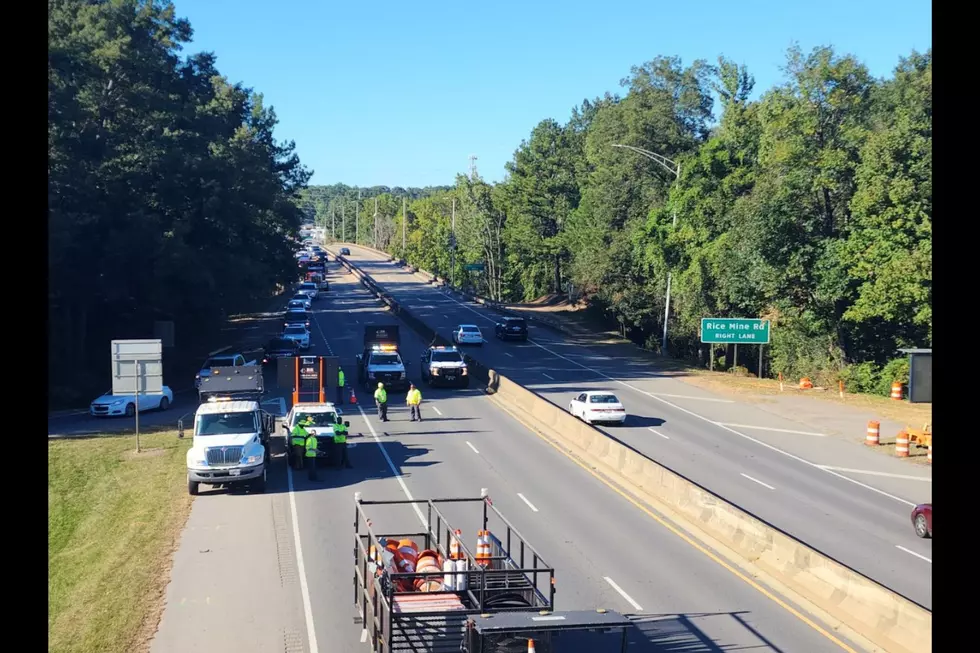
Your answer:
<point x="222" y="360"/>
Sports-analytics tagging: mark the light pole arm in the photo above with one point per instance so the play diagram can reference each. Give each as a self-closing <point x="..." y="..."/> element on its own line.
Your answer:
<point x="668" y="164"/>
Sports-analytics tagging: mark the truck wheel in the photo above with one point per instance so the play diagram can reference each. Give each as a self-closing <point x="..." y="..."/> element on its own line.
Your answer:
<point x="193" y="487"/>
<point x="258" y="485"/>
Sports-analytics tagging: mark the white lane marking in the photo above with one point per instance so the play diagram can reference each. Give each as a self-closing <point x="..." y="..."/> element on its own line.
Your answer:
<point x="300" y="566"/>
<point x="529" y="504"/>
<point x="650" y="428"/>
<point x="710" y="421"/>
<point x="755" y="480"/>
<point x="364" y="635"/>
<point x="507" y="353"/>
<point x="438" y="412"/>
<point x="636" y="606"/>
<point x="391" y="466"/>
<point x="917" y="555"/>
<point x="769" y="428"/>
<point x="548" y="375"/>
<point x="907" y="477"/>
<point x="470" y="444"/>
<point x="720" y="401"/>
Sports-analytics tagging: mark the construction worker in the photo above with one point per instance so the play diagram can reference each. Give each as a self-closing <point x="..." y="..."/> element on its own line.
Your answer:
<point x="340" y="443"/>
<point x="413" y="399"/>
<point x="340" y="385"/>
<point x="299" y="440"/>
<point x="381" y="398"/>
<point x="311" y="446"/>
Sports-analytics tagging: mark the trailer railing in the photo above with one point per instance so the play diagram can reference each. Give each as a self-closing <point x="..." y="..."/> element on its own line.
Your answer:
<point x="516" y="579"/>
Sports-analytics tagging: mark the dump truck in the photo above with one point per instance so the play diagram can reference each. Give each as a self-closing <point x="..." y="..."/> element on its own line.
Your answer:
<point x="431" y="591"/>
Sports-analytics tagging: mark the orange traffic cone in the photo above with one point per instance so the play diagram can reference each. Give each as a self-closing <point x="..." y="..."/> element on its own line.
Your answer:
<point x="530" y="646"/>
<point x="353" y="397"/>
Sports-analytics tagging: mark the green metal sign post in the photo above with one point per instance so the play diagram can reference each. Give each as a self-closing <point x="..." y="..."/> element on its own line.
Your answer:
<point x="734" y="331"/>
<point x="474" y="267"/>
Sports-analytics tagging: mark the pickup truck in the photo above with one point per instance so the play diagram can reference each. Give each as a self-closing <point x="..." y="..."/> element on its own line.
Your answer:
<point x="222" y="360"/>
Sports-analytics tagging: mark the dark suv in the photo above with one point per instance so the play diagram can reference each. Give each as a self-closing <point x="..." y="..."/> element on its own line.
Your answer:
<point x="511" y="328"/>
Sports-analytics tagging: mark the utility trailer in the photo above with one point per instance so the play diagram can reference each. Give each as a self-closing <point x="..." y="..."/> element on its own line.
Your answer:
<point x="404" y="608"/>
<point x="597" y="631"/>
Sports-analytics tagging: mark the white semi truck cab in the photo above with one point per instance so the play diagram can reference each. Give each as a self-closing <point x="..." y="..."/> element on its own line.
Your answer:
<point x="232" y="430"/>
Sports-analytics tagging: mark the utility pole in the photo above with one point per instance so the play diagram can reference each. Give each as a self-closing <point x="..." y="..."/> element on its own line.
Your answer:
<point x="375" y="223"/>
<point x="452" y="248"/>
<point x="343" y="221"/>
<point x="333" y="225"/>
<point x="473" y="167"/>
<point x="404" y="222"/>
<point x="357" y="216"/>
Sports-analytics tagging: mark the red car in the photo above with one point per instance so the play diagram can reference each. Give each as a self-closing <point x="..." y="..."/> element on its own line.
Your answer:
<point x="922" y="520"/>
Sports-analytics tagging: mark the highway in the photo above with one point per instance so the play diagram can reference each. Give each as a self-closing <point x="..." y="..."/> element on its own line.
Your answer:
<point x="765" y="464"/>
<point x="273" y="572"/>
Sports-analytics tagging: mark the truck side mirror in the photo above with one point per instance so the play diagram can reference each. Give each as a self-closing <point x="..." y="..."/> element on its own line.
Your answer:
<point x="347" y="424"/>
<point x="180" y="428"/>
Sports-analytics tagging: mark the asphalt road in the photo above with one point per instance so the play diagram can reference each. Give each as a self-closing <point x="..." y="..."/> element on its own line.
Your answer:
<point x="765" y="464"/>
<point x="273" y="572"/>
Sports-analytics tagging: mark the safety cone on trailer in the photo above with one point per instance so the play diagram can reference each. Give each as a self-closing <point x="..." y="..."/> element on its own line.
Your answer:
<point x="530" y="646"/>
<point x="454" y="549"/>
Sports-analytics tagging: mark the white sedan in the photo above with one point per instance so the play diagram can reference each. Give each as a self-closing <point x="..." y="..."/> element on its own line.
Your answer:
<point x="598" y="406"/>
<point x="298" y="334"/>
<point x="110" y="405"/>
<point x="467" y="334"/>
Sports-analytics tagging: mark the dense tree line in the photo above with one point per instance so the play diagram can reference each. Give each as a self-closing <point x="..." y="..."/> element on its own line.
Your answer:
<point x="168" y="197"/>
<point x="811" y="206"/>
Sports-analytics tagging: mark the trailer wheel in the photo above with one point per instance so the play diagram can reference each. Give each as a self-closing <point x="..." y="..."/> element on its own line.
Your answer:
<point x="193" y="487"/>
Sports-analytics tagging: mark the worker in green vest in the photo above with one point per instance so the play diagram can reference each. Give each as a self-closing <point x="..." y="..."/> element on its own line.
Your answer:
<point x="381" y="398"/>
<point x="311" y="445"/>
<point x="340" y="385"/>
<point x="413" y="399"/>
<point x="340" y="442"/>
<point x="299" y="440"/>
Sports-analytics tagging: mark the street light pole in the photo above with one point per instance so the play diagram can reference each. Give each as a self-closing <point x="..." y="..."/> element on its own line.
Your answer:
<point x="404" y="222"/>
<point x="375" y="223"/>
<point x="452" y="245"/>
<point x="675" y="168"/>
<point x="357" y="217"/>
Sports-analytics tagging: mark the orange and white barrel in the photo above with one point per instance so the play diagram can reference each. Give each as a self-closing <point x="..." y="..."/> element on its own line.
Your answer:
<point x="902" y="444"/>
<point x="483" y="554"/>
<point x="929" y="458"/>
<point x="897" y="388"/>
<point x="449" y="575"/>
<point x="462" y="578"/>
<point x="428" y="562"/>
<point x="873" y="438"/>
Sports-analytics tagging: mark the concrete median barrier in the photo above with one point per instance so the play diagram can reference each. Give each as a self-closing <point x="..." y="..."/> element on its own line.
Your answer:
<point x="886" y="619"/>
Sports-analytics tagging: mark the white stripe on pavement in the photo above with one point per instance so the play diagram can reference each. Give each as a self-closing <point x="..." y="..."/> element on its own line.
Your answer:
<point x="438" y="412"/>
<point x="475" y="450"/>
<point x="636" y="606"/>
<point x="769" y="428"/>
<point x="300" y="566"/>
<point x="529" y="504"/>
<point x="907" y="477"/>
<point x="917" y="555"/>
<point x="755" y="480"/>
<point x="657" y="432"/>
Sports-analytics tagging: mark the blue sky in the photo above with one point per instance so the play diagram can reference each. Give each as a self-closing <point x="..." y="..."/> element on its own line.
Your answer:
<point x="401" y="93"/>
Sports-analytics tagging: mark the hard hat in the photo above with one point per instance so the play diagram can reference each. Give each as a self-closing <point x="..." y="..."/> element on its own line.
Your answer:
<point x="380" y="384"/>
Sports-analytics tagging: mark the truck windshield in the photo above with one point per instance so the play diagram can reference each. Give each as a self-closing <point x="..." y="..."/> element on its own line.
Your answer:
<point x="307" y="286"/>
<point x="384" y="359"/>
<point x="446" y="357"/>
<point x="319" y="419"/>
<point x="225" y="423"/>
<point x="218" y="362"/>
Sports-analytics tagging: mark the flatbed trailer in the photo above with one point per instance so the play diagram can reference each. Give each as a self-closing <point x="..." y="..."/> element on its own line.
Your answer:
<point x="412" y="610"/>
<point x="582" y="631"/>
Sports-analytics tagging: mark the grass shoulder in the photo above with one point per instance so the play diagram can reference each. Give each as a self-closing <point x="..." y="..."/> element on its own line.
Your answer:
<point x="114" y="521"/>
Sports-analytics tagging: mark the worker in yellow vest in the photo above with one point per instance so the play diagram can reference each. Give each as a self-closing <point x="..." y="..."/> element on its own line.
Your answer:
<point x="381" y="398"/>
<point x="340" y="385"/>
<point x="414" y="398"/>
<point x="340" y="442"/>
<point x="298" y="441"/>
<point x="311" y="447"/>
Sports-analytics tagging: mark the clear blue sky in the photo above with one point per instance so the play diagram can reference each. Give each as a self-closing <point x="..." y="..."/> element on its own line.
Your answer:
<point x="400" y="93"/>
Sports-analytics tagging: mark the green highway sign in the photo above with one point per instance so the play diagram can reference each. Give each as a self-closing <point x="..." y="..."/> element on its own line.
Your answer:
<point x="724" y="330"/>
<point x="474" y="267"/>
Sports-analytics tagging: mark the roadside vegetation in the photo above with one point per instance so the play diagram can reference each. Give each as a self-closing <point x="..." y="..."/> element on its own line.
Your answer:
<point x="114" y="521"/>
<point x="168" y="197"/>
<point x="810" y="206"/>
